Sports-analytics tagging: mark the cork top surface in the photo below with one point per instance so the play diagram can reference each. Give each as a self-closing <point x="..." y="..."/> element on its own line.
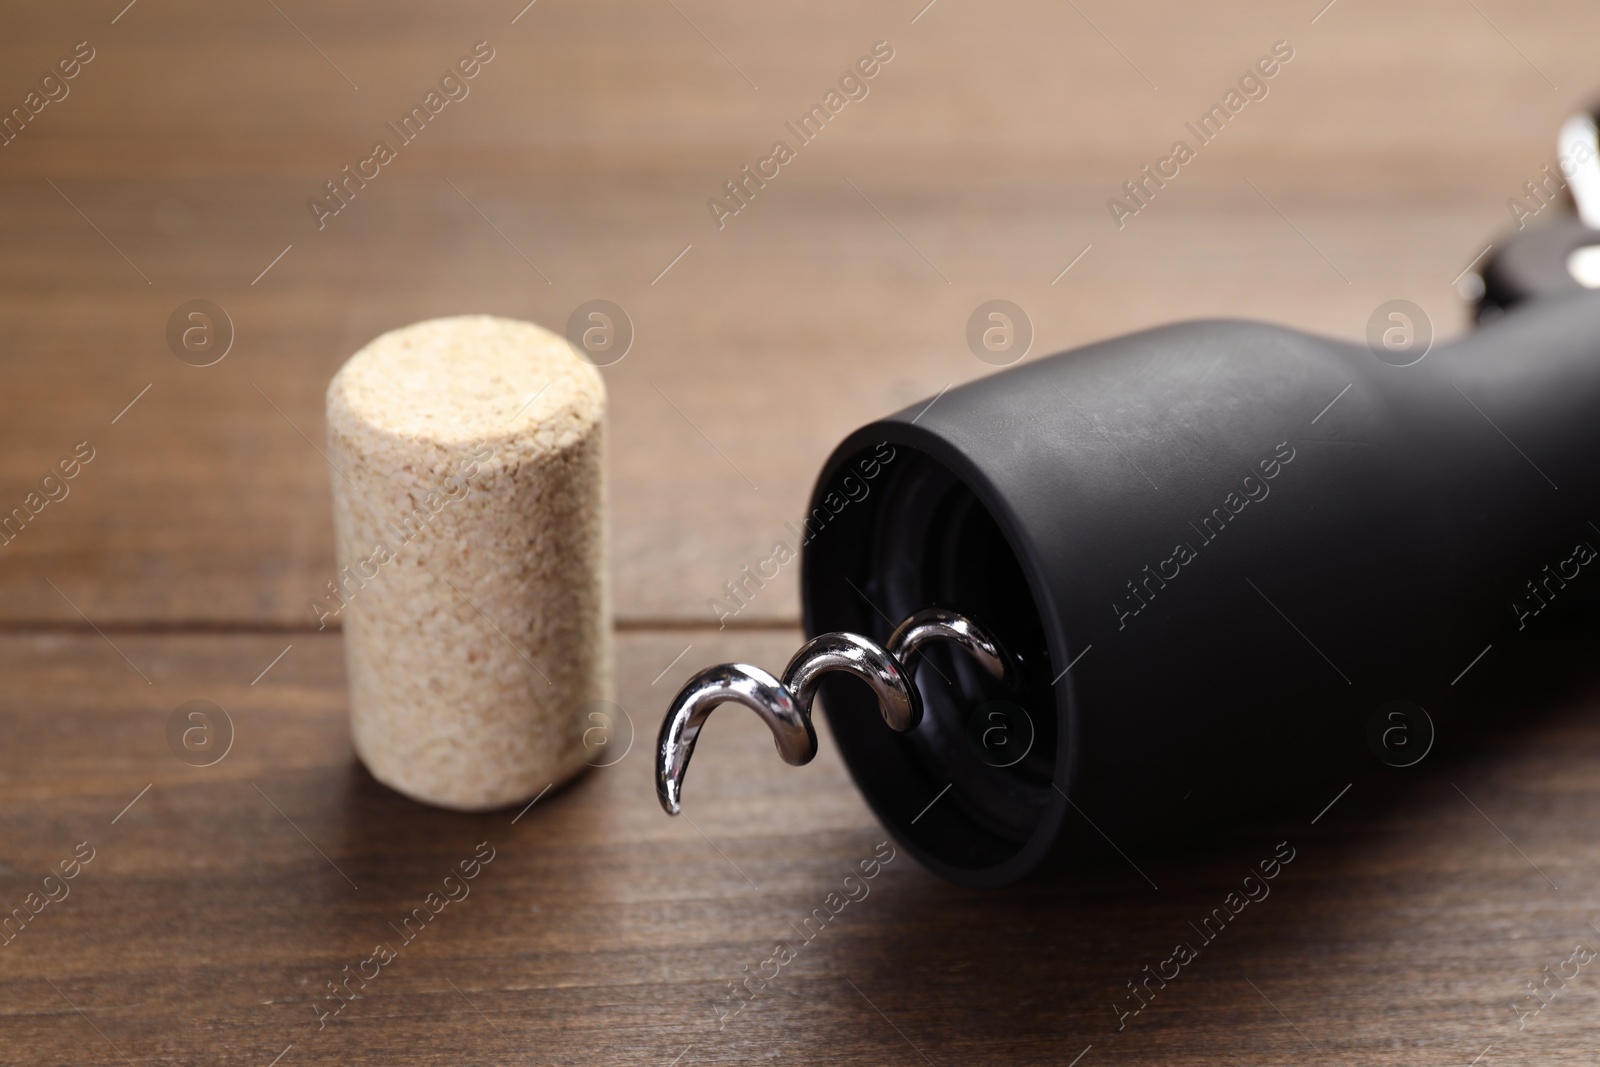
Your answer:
<point x="472" y="378"/>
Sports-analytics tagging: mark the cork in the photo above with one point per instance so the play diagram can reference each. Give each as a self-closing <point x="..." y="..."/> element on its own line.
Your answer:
<point x="469" y="509"/>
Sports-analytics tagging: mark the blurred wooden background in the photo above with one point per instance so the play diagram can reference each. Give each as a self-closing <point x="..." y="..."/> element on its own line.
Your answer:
<point x="178" y="167"/>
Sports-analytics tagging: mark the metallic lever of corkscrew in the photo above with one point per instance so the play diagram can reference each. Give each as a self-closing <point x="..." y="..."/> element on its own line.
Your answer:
<point x="785" y="706"/>
<point x="1578" y="149"/>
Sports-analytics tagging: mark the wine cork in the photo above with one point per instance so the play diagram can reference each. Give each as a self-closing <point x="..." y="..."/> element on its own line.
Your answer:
<point x="469" y="508"/>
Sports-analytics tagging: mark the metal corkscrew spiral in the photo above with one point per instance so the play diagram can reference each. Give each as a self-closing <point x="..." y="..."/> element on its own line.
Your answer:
<point x="785" y="706"/>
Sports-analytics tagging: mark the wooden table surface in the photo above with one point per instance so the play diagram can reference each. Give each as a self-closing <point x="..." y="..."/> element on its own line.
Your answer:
<point x="222" y="902"/>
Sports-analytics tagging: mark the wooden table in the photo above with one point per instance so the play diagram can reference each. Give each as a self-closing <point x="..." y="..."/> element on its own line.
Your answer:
<point x="223" y="902"/>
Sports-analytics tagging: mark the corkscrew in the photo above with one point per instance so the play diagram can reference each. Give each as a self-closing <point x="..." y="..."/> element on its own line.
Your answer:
<point x="1210" y="559"/>
<point x="889" y="670"/>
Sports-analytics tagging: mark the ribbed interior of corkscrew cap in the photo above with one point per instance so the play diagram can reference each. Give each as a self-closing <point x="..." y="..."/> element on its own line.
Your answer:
<point x="893" y="531"/>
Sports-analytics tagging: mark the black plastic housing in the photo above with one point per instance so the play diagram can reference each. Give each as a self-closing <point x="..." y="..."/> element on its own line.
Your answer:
<point x="1355" y="533"/>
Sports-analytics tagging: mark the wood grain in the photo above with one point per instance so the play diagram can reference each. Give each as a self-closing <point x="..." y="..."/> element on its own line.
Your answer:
<point x="220" y="904"/>
<point x="991" y="142"/>
<point x="221" y="900"/>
